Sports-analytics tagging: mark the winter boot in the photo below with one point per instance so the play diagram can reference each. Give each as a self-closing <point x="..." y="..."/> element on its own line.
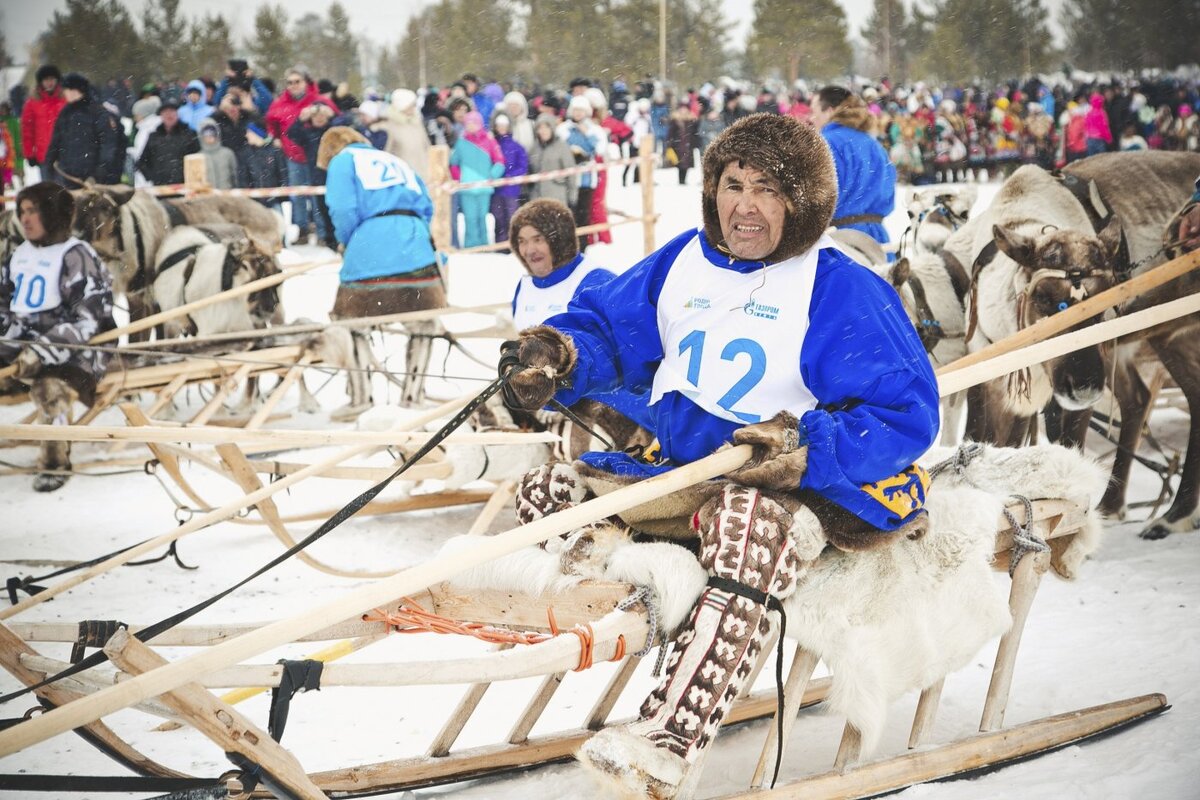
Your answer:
<point x="754" y="545"/>
<point x="54" y="398"/>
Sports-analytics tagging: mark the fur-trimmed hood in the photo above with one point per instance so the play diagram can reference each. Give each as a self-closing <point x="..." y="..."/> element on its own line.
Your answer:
<point x="792" y="152"/>
<point x="555" y="222"/>
<point x="333" y="141"/>
<point x="56" y="207"/>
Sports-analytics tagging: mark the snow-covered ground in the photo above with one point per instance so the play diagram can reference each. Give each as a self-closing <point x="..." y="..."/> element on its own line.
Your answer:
<point x="1126" y="627"/>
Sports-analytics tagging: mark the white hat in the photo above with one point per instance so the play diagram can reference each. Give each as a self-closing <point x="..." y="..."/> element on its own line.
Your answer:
<point x="370" y="109"/>
<point x="403" y="99"/>
<point x="580" y="102"/>
<point x="596" y="98"/>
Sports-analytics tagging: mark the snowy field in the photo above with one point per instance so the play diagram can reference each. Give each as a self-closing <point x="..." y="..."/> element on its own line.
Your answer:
<point x="1126" y="627"/>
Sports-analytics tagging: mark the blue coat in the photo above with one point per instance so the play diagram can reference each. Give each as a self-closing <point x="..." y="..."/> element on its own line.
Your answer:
<point x="866" y="178"/>
<point x="877" y="398"/>
<point x="378" y="246"/>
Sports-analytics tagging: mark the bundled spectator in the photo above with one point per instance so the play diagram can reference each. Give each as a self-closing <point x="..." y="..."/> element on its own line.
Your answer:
<point x="40" y="113"/>
<point x="234" y="115"/>
<point x="307" y="131"/>
<point x="239" y="75"/>
<point x="145" y="121"/>
<point x="617" y="133"/>
<point x="1075" y="132"/>
<point x="586" y="139"/>
<point x="1131" y="140"/>
<point x="516" y="163"/>
<point x="299" y="93"/>
<point x="551" y="153"/>
<point x="220" y="163"/>
<point x="86" y="141"/>
<point x="481" y="102"/>
<point x="476" y="157"/>
<point x="407" y="136"/>
<point x="640" y="125"/>
<point x="682" y="139"/>
<point x="12" y="126"/>
<point x="1096" y="127"/>
<point x="194" y="108"/>
<point x="8" y="153"/>
<point x="369" y="122"/>
<point x="517" y="108"/>
<point x="162" y="159"/>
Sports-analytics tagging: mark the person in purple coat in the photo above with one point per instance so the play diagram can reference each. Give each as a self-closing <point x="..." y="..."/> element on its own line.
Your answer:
<point x="516" y="162"/>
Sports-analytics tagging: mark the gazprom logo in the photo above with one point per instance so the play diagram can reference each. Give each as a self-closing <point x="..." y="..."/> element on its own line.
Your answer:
<point x="698" y="302"/>
<point x="756" y="309"/>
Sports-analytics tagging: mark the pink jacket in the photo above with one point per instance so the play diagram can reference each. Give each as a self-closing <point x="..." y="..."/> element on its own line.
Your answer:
<point x="1095" y="124"/>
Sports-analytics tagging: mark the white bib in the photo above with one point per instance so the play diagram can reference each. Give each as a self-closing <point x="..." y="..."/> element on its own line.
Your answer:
<point x="36" y="273"/>
<point x="535" y="305"/>
<point x="378" y="169"/>
<point x="732" y="341"/>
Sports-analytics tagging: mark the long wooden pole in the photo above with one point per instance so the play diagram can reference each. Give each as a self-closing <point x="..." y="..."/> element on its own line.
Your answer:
<point x="999" y="365"/>
<point x="377" y="593"/>
<point x="219" y="514"/>
<point x="213" y="434"/>
<point x="646" y="176"/>
<point x="1049" y="326"/>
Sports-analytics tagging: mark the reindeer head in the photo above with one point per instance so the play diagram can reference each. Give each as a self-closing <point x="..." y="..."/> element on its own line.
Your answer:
<point x="934" y="214"/>
<point x="1058" y="269"/>
<point x="98" y="218"/>
<point x="251" y="264"/>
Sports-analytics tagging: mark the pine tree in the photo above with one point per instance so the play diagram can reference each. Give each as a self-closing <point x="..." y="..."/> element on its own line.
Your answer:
<point x="164" y="32"/>
<point x="446" y="38"/>
<point x="886" y="33"/>
<point x="271" y="45"/>
<point x="1123" y="34"/>
<point x="798" y="38"/>
<point x="992" y="39"/>
<point x="5" y="56"/>
<point x="211" y="45"/>
<point x="96" y="38"/>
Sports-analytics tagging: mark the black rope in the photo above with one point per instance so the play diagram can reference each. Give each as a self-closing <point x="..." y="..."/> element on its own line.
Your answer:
<point x="297" y="676"/>
<point x="774" y="604"/>
<point x="178" y="787"/>
<point x="347" y="511"/>
<point x="571" y="415"/>
<point x="32" y="585"/>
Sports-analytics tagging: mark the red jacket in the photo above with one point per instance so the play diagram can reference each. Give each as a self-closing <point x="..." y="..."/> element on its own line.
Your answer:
<point x="37" y="122"/>
<point x="283" y="112"/>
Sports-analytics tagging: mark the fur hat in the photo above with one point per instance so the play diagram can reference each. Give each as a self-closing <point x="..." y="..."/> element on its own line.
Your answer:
<point x="48" y="71"/>
<point x="73" y="80"/>
<point x="554" y="221"/>
<point x="333" y="141"/>
<point x="796" y="156"/>
<point x="404" y="99"/>
<point x="56" y="207"/>
<point x="579" y="102"/>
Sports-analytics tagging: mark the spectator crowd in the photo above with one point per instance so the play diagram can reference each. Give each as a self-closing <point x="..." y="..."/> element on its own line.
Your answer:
<point x="254" y="132"/>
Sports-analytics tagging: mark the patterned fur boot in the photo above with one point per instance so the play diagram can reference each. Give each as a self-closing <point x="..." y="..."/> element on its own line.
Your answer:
<point x="554" y="487"/>
<point x="763" y="541"/>
<point x="54" y="398"/>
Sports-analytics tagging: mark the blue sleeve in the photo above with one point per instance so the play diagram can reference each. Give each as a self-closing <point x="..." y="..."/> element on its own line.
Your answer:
<point x="341" y="196"/>
<point x="261" y="95"/>
<point x="219" y="92"/>
<point x="614" y="326"/>
<point x="877" y="394"/>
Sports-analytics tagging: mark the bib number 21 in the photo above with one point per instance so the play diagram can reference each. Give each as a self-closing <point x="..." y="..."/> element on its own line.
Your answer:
<point x="693" y="345"/>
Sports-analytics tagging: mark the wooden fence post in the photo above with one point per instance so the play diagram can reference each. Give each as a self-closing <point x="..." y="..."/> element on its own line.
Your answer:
<point x="439" y="173"/>
<point x="646" y="173"/>
<point x="195" y="172"/>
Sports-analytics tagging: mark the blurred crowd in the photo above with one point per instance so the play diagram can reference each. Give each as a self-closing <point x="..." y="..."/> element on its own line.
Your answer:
<point x="256" y="132"/>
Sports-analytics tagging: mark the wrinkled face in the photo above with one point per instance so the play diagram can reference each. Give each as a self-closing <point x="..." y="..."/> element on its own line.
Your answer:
<point x="31" y="221"/>
<point x="752" y="211"/>
<point x="534" y="249"/>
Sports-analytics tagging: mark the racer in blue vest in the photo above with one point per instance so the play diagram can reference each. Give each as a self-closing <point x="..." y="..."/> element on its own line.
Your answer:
<point x="753" y="329"/>
<point x="381" y="212"/>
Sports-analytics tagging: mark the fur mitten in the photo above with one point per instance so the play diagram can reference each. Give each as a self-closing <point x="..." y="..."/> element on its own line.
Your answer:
<point x="28" y="364"/>
<point x="536" y="364"/>
<point x="779" y="460"/>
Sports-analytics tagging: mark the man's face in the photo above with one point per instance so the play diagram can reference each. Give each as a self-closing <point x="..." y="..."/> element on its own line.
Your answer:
<point x="752" y="211"/>
<point x="31" y="221"/>
<point x="295" y="85"/>
<point x="534" y="250"/>
<point x="169" y="116"/>
<point x="820" y="113"/>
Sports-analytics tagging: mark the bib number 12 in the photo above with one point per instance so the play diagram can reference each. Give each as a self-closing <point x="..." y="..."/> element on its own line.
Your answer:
<point x="693" y="345"/>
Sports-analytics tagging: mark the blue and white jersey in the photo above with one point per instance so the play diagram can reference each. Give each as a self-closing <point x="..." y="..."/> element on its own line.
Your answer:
<point x="538" y="299"/>
<point x="845" y="357"/>
<point x="36" y="273"/>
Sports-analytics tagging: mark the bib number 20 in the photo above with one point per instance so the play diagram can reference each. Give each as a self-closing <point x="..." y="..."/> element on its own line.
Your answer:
<point x="693" y="345"/>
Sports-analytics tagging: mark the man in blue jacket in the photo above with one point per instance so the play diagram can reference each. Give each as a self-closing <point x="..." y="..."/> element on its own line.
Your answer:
<point x="381" y="212"/>
<point x="865" y="174"/>
<point x="753" y="329"/>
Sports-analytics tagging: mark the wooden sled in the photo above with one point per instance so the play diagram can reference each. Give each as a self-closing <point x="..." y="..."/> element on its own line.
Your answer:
<point x="607" y="609"/>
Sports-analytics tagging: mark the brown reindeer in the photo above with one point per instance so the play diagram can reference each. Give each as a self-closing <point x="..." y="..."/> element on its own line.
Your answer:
<point x="1146" y="190"/>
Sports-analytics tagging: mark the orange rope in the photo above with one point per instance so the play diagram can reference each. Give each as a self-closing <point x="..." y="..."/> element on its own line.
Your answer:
<point x="412" y="618"/>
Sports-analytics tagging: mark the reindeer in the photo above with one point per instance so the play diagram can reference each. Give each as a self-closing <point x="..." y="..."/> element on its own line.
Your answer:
<point x="1146" y="190"/>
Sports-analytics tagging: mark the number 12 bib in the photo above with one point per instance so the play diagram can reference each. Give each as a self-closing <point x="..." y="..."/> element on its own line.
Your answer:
<point x="732" y="340"/>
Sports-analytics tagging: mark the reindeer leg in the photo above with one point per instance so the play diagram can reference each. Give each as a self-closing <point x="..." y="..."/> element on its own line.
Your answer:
<point x="1179" y="354"/>
<point x="1075" y="428"/>
<point x="1133" y="398"/>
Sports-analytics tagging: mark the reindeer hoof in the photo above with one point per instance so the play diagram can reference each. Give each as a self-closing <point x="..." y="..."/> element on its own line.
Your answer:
<point x="1155" y="532"/>
<point x="46" y="482"/>
<point x="349" y="413"/>
<point x="1162" y="527"/>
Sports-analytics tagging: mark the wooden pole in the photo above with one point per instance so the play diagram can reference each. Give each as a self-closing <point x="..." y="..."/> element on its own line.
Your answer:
<point x="378" y="593"/>
<point x="195" y="173"/>
<point x="217" y="515"/>
<point x="646" y="176"/>
<point x="231" y="731"/>
<point x="1049" y="326"/>
<point x="439" y="174"/>
<point x="996" y="366"/>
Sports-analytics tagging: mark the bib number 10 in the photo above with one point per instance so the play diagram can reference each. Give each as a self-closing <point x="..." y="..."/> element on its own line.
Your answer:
<point x="693" y="345"/>
<point x="35" y="290"/>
